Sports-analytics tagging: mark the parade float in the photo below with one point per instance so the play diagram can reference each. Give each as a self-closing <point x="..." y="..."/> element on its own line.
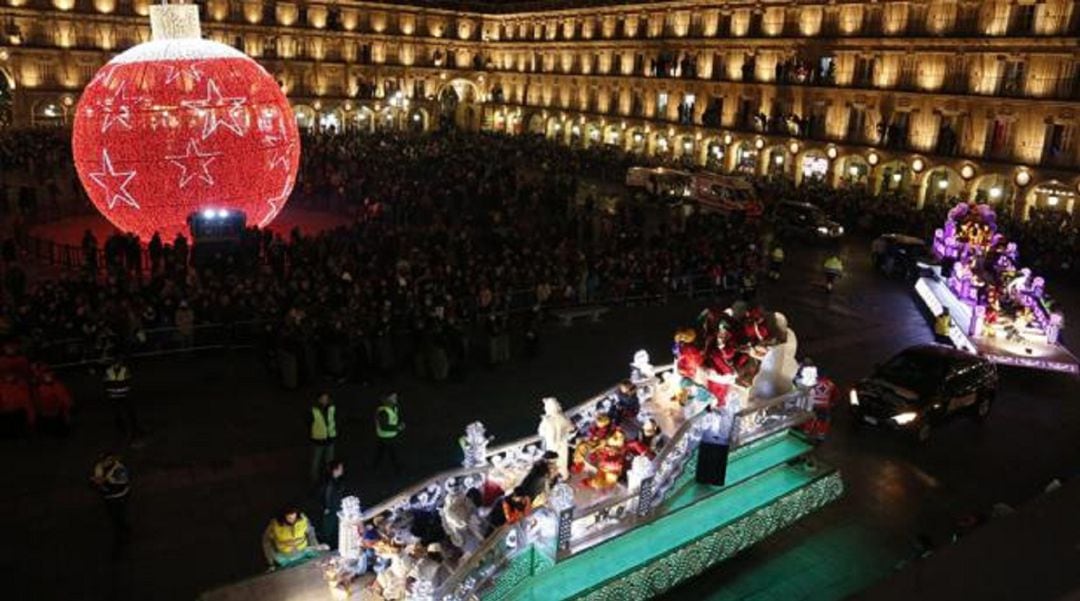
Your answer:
<point x="646" y="485"/>
<point x="997" y="308"/>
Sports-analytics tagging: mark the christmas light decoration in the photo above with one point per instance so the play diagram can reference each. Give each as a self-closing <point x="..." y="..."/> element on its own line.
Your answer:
<point x="180" y="125"/>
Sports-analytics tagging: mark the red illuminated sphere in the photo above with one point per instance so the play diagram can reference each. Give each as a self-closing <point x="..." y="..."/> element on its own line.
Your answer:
<point x="177" y="126"/>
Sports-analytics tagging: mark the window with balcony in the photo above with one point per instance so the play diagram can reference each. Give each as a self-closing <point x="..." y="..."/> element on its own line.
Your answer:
<point x="856" y="125"/>
<point x="714" y="113"/>
<point x="746" y="117"/>
<point x="1059" y="145"/>
<point x="864" y="72"/>
<point x="896" y="134"/>
<point x="686" y="109"/>
<point x="998" y="132"/>
<point x="948" y="135"/>
<point x="1012" y="79"/>
<point x="1022" y="19"/>
<point x="661" y="104"/>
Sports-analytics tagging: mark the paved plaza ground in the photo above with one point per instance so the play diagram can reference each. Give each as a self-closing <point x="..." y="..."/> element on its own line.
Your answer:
<point x="228" y="447"/>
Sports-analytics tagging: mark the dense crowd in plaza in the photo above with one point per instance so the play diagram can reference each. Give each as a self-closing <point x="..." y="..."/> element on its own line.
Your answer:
<point x="451" y="235"/>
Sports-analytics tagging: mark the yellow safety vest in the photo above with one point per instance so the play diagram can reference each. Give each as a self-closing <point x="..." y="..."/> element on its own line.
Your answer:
<point x="323" y="428"/>
<point x="391" y="420"/>
<point x="941" y="324"/>
<point x="778" y="254"/>
<point x="290" y="538"/>
<point x="116" y="382"/>
<point x="834" y="264"/>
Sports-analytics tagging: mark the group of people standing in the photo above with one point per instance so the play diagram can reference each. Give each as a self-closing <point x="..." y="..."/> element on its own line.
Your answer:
<point x="291" y="537"/>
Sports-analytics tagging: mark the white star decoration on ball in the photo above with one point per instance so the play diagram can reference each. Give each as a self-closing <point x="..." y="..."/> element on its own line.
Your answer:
<point x="118" y="108"/>
<point x="189" y="71"/>
<point x="194" y="163"/>
<point x="280" y="157"/>
<point x="208" y="109"/>
<point x="276" y="202"/>
<point x="107" y="176"/>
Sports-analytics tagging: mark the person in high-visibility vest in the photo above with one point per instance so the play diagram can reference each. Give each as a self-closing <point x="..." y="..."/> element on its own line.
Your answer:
<point x="834" y="270"/>
<point x="323" y="427"/>
<point x="113" y="482"/>
<point x="388" y="426"/>
<point x="776" y="261"/>
<point x="117" y="384"/>
<point x="289" y="539"/>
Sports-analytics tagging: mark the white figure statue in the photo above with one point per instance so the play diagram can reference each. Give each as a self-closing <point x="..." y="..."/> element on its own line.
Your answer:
<point x="455" y="517"/>
<point x="349" y="527"/>
<point x="556" y="430"/>
<point x="474" y="445"/>
<point x="779" y="366"/>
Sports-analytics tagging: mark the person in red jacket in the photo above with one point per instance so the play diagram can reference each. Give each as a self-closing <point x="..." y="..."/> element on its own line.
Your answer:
<point x="53" y="404"/>
<point x="16" y="410"/>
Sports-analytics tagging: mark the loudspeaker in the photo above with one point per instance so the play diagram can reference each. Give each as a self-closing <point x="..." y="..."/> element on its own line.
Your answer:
<point x="712" y="463"/>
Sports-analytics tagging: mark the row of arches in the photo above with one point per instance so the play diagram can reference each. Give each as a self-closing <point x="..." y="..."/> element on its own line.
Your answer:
<point x="1014" y="188"/>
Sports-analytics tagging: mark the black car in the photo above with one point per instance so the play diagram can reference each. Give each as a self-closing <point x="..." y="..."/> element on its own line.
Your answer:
<point x="804" y="220"/>
<point x="922" y="386"/>
<point x="900" y="256"/>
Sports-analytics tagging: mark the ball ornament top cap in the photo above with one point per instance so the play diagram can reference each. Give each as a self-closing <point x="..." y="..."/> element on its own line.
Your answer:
<point x="174" y="22"/>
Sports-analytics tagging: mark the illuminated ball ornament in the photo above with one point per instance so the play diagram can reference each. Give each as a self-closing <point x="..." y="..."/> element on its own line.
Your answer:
<point x="180" y="125"/>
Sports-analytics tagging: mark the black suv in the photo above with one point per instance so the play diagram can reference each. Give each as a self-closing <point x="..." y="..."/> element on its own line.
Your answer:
<point x="923" y="385"/>
<point x="899" y="256"/>
<point x="804" y="220"/>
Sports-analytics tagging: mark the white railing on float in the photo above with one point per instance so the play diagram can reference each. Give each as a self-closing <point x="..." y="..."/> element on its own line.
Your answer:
<point x="482" y="569"/>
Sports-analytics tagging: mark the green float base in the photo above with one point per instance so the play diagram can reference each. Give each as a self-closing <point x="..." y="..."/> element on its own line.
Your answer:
<point x="698" y="527"/>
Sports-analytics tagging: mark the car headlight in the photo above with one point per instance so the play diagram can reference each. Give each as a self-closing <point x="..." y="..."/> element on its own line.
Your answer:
<point x="839" y="230"/>
<point x="854" y="398"/>
<point x="824" y="231"/>
<point x="905" y="418"/>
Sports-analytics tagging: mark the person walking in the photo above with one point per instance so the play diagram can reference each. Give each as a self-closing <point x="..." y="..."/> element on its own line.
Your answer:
<point x="776" y="262"/>
<point x="331" y="491"/>
<point x="323" y="428"/>
<point x="113" y="482"/>
<point x="834" y="270"/>
<point x="117" y="383"/>
<point x="388" y="426"/>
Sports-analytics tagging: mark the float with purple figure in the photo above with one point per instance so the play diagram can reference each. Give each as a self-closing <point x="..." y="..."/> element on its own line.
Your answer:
<point x="995" y="306"/>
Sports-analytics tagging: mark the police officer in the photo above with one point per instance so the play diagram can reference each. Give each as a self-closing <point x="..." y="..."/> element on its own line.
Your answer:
<point x="113" y="482"/>
<point x="117" y="382"/>
<point x="388" y="426"/>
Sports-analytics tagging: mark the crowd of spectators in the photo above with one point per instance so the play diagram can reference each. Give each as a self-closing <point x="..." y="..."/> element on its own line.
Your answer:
<point x="454" y="239"/>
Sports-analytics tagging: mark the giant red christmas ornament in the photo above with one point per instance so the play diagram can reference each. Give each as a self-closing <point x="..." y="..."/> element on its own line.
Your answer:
<point x="180" y="125"/>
